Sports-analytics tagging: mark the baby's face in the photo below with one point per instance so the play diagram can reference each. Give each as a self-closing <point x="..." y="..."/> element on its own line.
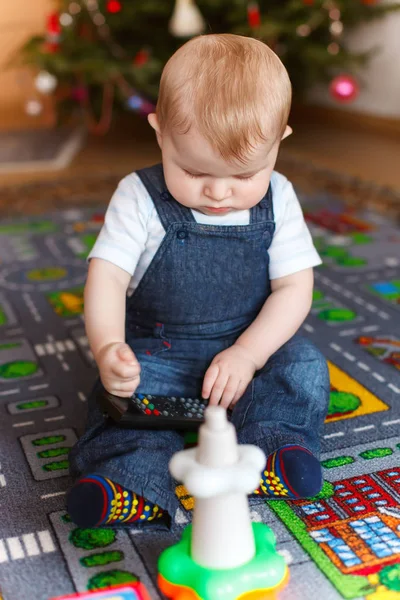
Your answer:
<point x="200" y="179"/>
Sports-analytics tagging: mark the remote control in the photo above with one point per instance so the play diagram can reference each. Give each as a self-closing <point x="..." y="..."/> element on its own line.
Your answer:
<point x="153" y="412"/>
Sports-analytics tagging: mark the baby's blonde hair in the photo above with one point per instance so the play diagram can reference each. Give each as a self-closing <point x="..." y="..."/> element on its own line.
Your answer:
<point x="233" y="89"/>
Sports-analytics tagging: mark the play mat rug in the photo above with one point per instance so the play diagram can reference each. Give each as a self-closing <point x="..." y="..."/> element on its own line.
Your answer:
<point x="343" y="544"/>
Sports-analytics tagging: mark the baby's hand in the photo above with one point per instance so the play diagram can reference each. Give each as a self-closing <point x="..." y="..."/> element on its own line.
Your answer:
<point x="119" y="369"/>
<point x="228" y="376"/>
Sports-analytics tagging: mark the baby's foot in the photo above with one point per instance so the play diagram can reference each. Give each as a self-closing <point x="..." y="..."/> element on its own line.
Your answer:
<point x="95" y="501"/>
<point x="292" y="472"/>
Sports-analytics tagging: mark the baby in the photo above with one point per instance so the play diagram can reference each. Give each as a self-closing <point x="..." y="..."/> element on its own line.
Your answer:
<point x="197" y="285"/>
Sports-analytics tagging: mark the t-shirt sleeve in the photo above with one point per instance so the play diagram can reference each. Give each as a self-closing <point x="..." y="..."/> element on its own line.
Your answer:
<point x="123" y="236"/>
<point x="292" y="248"/>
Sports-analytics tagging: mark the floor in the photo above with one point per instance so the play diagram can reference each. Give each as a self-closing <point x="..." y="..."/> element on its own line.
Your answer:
<point x="367" y="155"/>
<point x="345" y="545"/>
<point x="337" y="546"/>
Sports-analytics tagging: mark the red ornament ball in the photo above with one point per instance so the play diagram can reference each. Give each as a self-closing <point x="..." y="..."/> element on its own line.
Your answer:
<point x="253" y="14"/>
<point x="114" y="6"/>
<point x="51" y="47"/>
<point x="308" y="2"/>
<point x="344" y="88"/>
<point x="80" y="94"/>
<point x="141" y="58"/>
<point x="53" y="24"/>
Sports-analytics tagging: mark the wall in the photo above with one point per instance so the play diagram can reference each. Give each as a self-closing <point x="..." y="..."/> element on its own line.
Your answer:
<point x="19" y="19"/>
<point x="380" y="94"/>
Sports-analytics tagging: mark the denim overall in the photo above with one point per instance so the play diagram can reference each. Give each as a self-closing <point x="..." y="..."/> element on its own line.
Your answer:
<point x="204" y="287"/>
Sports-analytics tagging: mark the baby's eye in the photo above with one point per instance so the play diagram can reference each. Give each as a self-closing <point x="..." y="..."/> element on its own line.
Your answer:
<point x="244" y="178"/>
<point x="192" y="175"/>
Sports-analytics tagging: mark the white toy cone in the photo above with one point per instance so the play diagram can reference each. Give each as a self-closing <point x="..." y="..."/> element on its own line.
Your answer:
<point x="219" y="474"/>
<point x="186" y="20"/>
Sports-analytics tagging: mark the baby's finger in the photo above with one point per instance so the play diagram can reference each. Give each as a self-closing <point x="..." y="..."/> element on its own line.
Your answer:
<point x="121" y="393"/>
<point x="218" y="389"/>
<point x="126" y="354"/>
<point x="209" y="380"/>
<point x="125" y="371"/>
<point x="124" y="389"/>
<point x="239" y="393"/>
<point x="229" y="392"/>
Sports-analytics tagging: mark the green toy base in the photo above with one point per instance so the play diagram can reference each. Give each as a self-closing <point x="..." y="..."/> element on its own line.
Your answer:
<point x="183" y="579"/>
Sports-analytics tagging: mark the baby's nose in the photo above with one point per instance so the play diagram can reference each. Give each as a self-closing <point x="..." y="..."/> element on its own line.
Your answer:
<point x="218" y="192"/>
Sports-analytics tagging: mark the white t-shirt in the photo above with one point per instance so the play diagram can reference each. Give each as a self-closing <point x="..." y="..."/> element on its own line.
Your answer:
<point x="132" y="231"/>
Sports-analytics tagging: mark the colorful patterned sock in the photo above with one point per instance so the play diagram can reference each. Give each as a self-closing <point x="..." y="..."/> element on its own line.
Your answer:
<point x="291" y="472"/>
<point x="95" y="500"/>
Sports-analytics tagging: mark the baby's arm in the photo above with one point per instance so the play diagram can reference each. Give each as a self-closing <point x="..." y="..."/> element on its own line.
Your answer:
<point x="280" y="317"/>
<point x="282" y="314"/>
<point x="105" y="297"/>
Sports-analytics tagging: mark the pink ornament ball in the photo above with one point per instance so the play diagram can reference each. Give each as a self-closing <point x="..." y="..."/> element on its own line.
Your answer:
<point x="344" y="88"/>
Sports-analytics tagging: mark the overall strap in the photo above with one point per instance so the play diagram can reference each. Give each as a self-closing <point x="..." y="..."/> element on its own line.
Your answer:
<point x="264" y="210"/>
<point x="168" y="209"/>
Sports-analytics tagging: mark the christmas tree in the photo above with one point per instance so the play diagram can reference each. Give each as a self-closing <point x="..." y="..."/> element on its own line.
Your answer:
<point x="107" y="55"/>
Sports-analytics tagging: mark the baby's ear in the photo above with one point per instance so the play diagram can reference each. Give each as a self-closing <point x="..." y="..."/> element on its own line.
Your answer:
<point x="288" y="131"/>
<point x="153" y="121"/>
